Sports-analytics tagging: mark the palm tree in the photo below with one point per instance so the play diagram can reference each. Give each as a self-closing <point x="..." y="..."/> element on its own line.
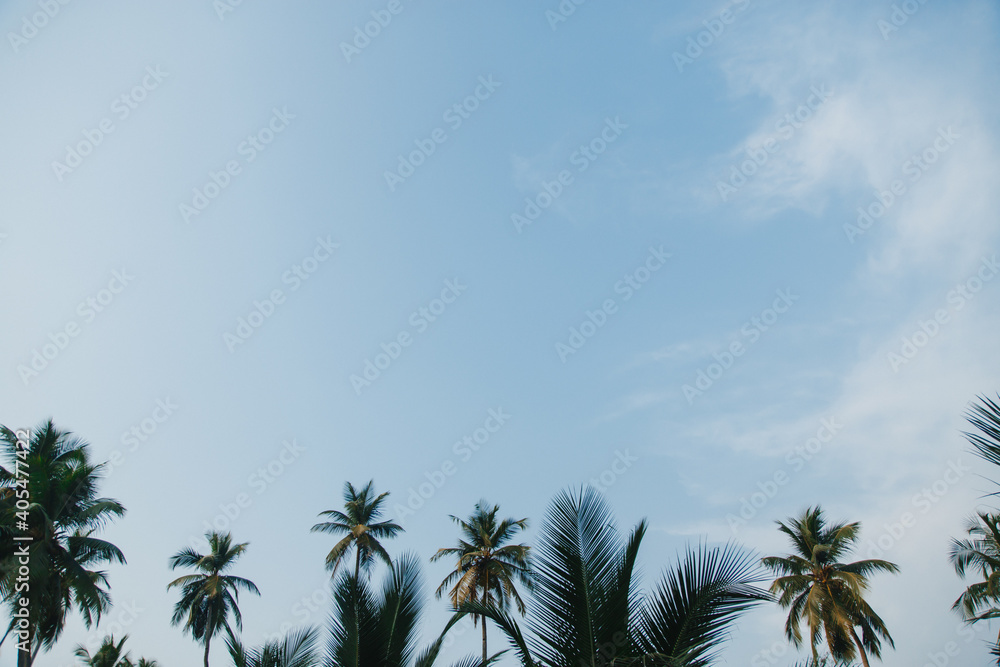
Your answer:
<point x="828" y="594"/>
<point x="208" y="598"/>
<point x="297" y="649"/>
<point x="981" y="554"/>
<point x="59" y="509"/>
<point x="369" y="630"/>
<point x="487" y="568"/>
<point x="111" y="655"/>
<point x="587" y="609"/>
<point x="986" y="418"/>
<point x="360" y="527"/>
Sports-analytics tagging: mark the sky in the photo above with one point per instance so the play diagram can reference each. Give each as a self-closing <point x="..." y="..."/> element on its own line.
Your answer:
<point x="723" y="260"/>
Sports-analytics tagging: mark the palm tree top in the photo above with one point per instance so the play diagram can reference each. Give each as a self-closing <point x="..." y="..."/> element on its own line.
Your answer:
<point x="481" y="529"/>
<point x="363" y="507"/>
<point x="817" y="587"/>
<point x="361" y="526"/>
<point x="221" y="554"/>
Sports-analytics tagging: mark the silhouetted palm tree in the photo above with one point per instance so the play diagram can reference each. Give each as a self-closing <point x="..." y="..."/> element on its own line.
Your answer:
<point x="297" y="649"/>
<point x="487" y="569"/>
<point x="829" y="595"/>
<point x="208" y="598"/>
<point x="380" y="630"/>
<point x="361" y="529"/>
<point x="59" y="509"/>
<point x="981" y="554"/>
<point x="587" y="611"/>
<point x="111" y="655"/>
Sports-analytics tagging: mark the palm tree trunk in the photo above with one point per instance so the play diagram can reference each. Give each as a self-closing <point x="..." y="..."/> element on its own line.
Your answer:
<point x="484" y="640"/>
<point x="208" y="643"/>
<point x="486" y="600"/>
<point x="861" y="649"/>
<point x="357" y="561"/>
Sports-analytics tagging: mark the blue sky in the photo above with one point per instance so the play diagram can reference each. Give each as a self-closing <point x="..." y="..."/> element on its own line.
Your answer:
<point x="729" y="145"/>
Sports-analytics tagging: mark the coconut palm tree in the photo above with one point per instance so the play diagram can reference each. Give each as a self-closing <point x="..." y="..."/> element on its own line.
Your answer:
<point x="209" y="597"/>
<point x="587" y="610"/>
<point x="111" y="655"/>
<point x="981" y="554"/>
<point x="487" y="568"/>
<point x="986" y="418"/>
<point x="380" y="630"/>
<point x="297" y="649"/>
<point x="361" y="529"/>
<point x="49" y="504"/>
<point x="829" y="595"/>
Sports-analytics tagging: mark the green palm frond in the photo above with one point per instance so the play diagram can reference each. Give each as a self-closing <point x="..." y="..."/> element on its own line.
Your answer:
<point x="690" y="612"/>
<point x="824" y="593"/>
